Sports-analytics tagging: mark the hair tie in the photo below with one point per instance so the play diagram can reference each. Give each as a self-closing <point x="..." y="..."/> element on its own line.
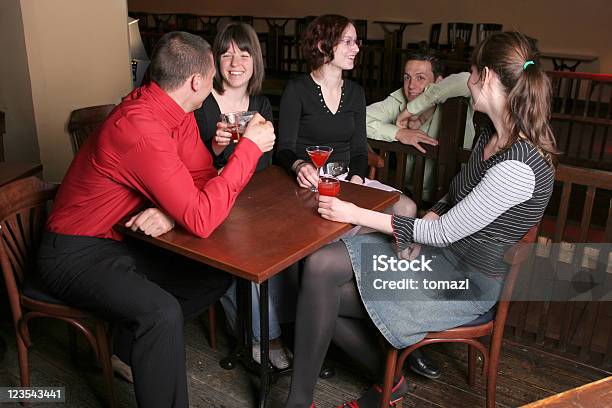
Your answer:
<point x="528" y="63"/>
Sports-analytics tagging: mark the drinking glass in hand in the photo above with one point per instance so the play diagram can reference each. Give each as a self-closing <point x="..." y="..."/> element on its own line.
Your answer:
<point x="318" y="155"/>
<point x="329" y="186"/>
<point x="236" y="123"/>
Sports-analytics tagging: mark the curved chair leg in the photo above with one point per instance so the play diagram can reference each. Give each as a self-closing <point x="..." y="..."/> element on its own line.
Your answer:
<point x="492" y="371"/>
<point x="212" y="321"/>
<point x="24" y="370"/>
<point x="72" y="343"/>
<point x="471" y="365"/>
<point x="389" y="377"/>
<point x="105" y="362"/>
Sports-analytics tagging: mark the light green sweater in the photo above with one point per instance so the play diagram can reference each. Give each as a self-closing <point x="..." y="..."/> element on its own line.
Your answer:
<point x="381" y="117"/>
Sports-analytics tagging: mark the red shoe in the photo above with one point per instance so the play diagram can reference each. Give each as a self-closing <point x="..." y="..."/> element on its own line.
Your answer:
<point x="371" y="398"/>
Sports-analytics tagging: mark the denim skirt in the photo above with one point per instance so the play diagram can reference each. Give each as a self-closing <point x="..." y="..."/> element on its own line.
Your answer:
<point x="407" y="300"/>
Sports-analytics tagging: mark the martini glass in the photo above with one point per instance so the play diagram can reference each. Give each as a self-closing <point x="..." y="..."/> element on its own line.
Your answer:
<point x="318" y="155"/>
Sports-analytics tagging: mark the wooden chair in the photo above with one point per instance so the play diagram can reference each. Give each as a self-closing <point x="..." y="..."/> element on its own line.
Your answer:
<point x="491" y="323"/>
<point x="434" y="36"/>
<point x="290" y="53"/>
<point x="208" y="27"/>
<point x="483" y="30"/>
<point x="580" y="212"/>
<point x="83" y="122"/>
<point x="456" y="31"/>
<point x="22" y="214"/>
<point x="582" y="118"/>
<point x="369" y="72"/>
<point x="375" y="162"/>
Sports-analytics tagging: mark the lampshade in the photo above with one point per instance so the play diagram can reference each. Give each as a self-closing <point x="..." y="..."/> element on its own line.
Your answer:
<point x="137" y="49"/>
<point x="138" y="54"/>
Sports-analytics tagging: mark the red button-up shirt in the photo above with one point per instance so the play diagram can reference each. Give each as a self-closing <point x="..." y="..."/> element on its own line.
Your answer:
<point x="148" y="151"/>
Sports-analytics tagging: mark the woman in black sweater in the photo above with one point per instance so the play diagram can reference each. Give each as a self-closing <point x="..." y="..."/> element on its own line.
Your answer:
<point x="237" y="82"/>
<point x="236" y="88"/>
<point x="322" y="108"/>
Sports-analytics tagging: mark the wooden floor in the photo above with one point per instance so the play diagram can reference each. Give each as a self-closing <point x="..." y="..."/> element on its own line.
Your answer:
<point x="525" y="375"/>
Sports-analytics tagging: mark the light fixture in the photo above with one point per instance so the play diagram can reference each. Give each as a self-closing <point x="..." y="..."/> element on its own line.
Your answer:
<point x="138" y="54"/>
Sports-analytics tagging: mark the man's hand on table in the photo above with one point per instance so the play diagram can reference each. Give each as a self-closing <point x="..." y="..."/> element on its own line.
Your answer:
<point x="261" y="132"/>
<point x="151" y="221"/>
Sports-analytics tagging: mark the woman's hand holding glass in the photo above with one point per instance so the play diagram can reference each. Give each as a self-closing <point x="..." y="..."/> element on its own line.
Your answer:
<point x="334" y="209"/>
<point x="222" y="138"/>
<point x="307" y="175"/>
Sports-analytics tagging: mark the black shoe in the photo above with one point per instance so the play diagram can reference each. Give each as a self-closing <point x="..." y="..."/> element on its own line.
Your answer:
<point x="421" y="364"/>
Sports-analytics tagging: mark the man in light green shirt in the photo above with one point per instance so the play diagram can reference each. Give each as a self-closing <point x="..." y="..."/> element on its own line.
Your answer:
<point x="411" y="114"/>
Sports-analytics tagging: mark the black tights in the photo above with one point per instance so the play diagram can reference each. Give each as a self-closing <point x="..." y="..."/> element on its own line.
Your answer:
<point x="330" y="308"/>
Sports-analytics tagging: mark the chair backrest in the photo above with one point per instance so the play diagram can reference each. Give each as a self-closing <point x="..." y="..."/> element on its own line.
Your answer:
<point x="208" y="27"/>
<point x="515" y="257"/>
<point x="2" y="130"/>
<point x="23" y="205"/>
<point x="449" y="154"/>
<point x="434" y="35"/>
<point x="369" y="72"/>
<point x="582" y="118"/>
<point x="483" y="30"/>
<point x="457" y="31"/>
<point x="83" y="122"/>
<point x="397" y="153"/>
<point x="361" y="26"/>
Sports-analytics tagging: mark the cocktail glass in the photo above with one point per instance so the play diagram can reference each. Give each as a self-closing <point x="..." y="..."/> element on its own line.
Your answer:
<point x="318" y="155"/>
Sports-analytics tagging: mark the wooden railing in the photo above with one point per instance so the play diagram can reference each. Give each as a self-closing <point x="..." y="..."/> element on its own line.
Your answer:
<point x="582" y="118"/>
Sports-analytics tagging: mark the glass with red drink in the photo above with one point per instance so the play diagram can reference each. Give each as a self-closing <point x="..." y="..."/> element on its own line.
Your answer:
<point x="236" y="123"/>
<point x="318" y="155"/>
<point x="329" y="186"/>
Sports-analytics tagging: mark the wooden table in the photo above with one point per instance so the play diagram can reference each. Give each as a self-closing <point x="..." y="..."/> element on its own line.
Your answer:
<point x="14" y="171"/>
<point x="595" y="394"/>
<point x="272" y="225"/>
<point x="563" y="61"/>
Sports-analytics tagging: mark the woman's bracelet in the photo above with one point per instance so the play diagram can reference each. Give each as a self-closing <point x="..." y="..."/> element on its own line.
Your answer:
<point x="296" y="165"/>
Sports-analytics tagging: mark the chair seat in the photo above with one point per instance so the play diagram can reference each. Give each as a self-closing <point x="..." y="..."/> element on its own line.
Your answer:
<point x="34" y="289"/>
<point x="483" y="318"/>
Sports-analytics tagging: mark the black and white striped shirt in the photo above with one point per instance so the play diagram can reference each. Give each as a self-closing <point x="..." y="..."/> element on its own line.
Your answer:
<point x="490" y="205"/>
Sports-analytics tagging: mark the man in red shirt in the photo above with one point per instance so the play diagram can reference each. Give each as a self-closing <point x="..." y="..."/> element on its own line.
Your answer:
<point x="147" y="160"/>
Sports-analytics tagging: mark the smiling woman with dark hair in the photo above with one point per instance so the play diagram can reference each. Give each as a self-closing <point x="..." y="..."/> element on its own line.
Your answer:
<point x="236" y="86"/>
<point x="237" y="83"/>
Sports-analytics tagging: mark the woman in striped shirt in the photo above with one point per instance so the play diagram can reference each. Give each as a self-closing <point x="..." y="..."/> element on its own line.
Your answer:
<point x="360" y="282"/>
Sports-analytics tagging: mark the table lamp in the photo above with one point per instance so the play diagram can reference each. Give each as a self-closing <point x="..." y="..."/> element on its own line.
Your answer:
<point x="138" y="54"/>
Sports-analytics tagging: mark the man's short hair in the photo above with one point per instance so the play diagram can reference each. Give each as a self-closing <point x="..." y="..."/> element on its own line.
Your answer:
<point x="177" y="56"/>
<point x="429" y="56"/>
